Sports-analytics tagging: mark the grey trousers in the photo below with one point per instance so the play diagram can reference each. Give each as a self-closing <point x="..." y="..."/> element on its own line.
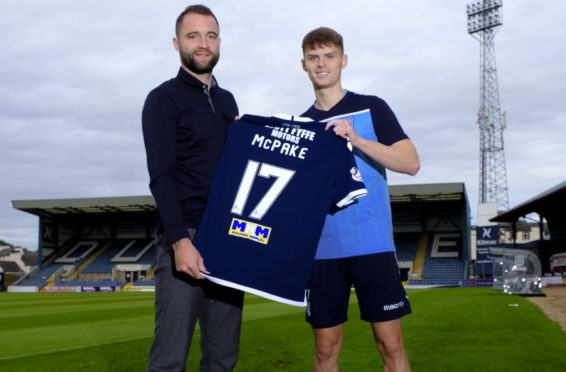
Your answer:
<point x="179" y="302"/>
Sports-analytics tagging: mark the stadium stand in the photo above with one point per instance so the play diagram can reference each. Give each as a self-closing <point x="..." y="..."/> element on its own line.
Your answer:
<point x="550" y="206"/>
<point x="432" y="233"/>
<point x="443" y="267"/>
<point x="40" y="277"/>
<point x="104" y="262"/>
<point x="406" y="246"/>
<point x="78" y="253"/>
<point x="86" y="283"/>
<point x="108" y="241"/>
<point x="133" y="251"/>
<point x="145" y="283"/>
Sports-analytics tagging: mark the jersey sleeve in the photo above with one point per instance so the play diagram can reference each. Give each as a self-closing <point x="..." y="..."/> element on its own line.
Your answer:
<point x="385" y="123"/>
<point x="348" y="181"/>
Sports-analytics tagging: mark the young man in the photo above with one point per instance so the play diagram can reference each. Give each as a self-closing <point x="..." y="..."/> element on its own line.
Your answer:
<point x="184" y="126"/>
<point x="356" y="247"/>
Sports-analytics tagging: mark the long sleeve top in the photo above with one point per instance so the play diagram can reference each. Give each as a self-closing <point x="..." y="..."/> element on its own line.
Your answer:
<point x="184" y="127"/>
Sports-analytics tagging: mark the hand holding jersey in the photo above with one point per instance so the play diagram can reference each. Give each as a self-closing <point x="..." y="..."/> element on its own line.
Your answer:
<point x="343" y="128"/>
<point x="188" y="259"/>
<point x="400" y="156"/>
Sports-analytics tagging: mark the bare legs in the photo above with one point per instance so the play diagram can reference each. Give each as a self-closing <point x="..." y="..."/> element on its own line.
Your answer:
<point x="388" y="338"/>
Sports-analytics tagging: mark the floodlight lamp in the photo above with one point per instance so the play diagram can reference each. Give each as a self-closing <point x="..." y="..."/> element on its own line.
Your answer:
<point x="483" y="15"/>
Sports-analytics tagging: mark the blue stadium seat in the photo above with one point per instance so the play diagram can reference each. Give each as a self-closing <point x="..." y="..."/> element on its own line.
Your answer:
<point x="449" y="271"/>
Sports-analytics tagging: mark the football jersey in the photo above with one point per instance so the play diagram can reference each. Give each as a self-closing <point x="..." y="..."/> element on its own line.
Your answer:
<point x="276" y="181"/>
<point x="367" y="227"/>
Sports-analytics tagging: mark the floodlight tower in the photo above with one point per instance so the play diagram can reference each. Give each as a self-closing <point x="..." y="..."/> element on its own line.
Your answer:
<point x="484" y="19"/>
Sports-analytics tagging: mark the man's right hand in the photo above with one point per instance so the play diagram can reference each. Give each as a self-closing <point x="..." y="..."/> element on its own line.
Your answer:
<point x="188" y="259"/>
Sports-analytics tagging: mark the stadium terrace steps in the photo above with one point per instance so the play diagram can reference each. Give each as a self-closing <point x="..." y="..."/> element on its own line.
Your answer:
<point x="40" y="278"/>
<point x="133" y="251"/>
<point x="86" y="283"/>
<point x="93" y="257"/>
<point x="97" y="264"/>
<point x="104" y="262"/>
<point x="442" y="269"/>
<point x="419" y="261"/>
<point x="440" y="264"/>
<point x="406" y="246"/>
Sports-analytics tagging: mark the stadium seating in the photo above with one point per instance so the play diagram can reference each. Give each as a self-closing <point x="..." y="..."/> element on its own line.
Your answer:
<point x="102" y="264"/>
<point x="444" y="265"/>
<point x="406" y="246"/>
<point x="148" y="258"/>
<point x="91" y="263"/>
<point x="144" y="283"/>
<point x="40" y="278"/>
<point x="121" y="251"/>
<point x="80" y="252"/>
<point x="443" y="262"/>
<point x="133" y="251"/>
<point x="86" y="283"/>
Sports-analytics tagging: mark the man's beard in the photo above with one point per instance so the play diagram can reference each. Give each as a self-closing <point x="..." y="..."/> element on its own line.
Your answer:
<point x="189" y="62"/>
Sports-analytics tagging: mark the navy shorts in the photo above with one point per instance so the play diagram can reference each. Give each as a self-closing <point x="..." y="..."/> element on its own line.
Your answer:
<point x="375" y="277"/>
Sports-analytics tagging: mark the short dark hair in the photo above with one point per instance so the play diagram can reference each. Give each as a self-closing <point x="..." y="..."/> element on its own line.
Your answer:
<point x="323" y="36"/>
<point x="197" y="9"/>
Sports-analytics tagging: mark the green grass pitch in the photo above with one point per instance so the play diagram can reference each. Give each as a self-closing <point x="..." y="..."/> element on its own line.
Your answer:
<point x="452" y="329"/>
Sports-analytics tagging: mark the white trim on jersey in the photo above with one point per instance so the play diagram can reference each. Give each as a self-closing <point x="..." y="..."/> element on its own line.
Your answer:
<point x="254" y="291"/>
<point x="344" y="115"/>
<point x="351" y="197"/>
<point x="288" y="117"/>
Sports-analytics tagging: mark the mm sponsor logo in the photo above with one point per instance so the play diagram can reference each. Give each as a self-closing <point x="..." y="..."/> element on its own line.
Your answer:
<point x="249" y="230"/>
<point x="396" y="306"/>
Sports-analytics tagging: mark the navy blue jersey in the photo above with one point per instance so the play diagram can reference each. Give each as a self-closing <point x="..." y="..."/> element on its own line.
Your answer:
<point x="276" y="181"/>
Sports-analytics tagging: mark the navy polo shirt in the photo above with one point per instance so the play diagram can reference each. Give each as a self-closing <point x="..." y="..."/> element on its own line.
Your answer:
<point x="184" y="128"/>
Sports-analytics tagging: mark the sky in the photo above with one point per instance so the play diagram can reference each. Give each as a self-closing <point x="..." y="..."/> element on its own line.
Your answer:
<point x="74" y="75"/>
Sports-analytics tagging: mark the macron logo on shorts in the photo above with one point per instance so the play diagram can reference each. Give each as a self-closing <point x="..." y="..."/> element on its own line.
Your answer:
<point x="396" y="306"/>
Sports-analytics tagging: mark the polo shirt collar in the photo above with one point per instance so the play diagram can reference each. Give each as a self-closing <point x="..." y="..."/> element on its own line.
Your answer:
<point x="193" y="81"/>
